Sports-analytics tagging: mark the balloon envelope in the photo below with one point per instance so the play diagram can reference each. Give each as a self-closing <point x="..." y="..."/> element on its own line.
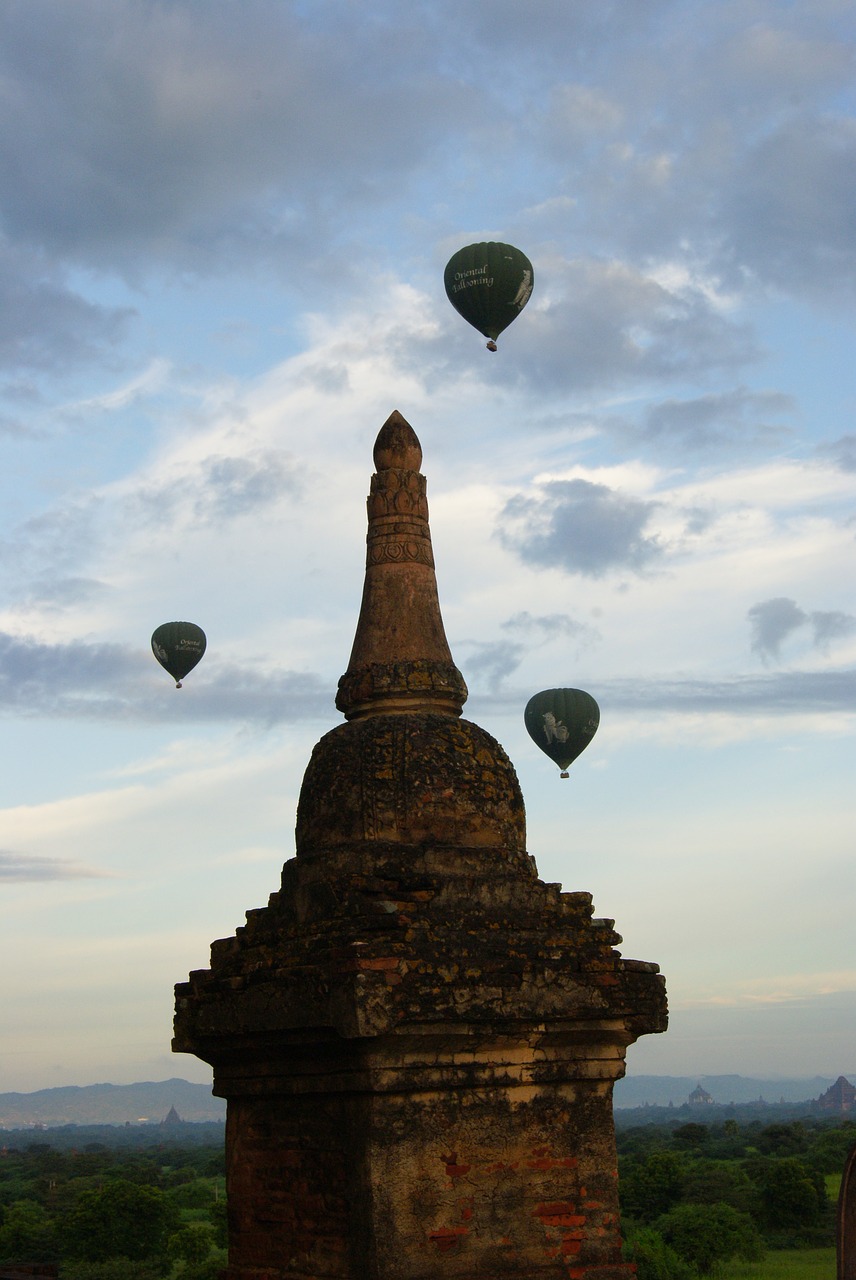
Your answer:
<point x="178" y="646"/>
<point x="489" y="284"/>
<point x="562" y="722"/>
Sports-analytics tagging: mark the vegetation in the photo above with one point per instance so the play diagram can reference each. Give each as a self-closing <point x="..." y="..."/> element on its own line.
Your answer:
<point x="738" y="1201"/>
<point x="117" y="1210"/>
<point x="733" y="1200"/>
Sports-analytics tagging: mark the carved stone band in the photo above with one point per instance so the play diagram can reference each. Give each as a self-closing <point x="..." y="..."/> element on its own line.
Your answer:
<point x="381" y="681"/>
<point x="382" y="551"/>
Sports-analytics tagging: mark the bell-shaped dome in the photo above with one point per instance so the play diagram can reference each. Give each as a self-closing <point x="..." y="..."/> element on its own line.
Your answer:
<point x="416" y="779"/>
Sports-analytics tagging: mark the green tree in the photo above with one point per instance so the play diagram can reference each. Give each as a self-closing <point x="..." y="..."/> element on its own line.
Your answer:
<point x="139" y="1168"/>
<point x="783" y="1139"/>
<point x="830" y="1148"/>
<point x="718" y="1182"/>
<point x="193" y="1254"/>
<point x="793" y="1199"/>
<point x="27" y="1233"/>
<point x="651" y="1187"/>
<point x="655" y="1260"/>
<point x="191" y="1243"/>
<point x="691" y="1136"/>
<point x="705" y="1235"/>
<point x="123" y="1220"/>
<point x="210" y="1269"/>
<point x="218" y="1214"/>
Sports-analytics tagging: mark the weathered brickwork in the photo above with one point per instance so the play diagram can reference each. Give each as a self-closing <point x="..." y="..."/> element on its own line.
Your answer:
<point x="417" y="1037"/>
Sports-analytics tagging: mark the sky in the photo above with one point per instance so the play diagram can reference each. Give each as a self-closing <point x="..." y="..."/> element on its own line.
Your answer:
<point x="223" y="228"/>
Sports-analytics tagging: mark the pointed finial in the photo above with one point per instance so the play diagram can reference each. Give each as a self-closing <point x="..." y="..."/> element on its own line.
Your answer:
<point x="397" y="445"/>
<point x="401" y="659"/>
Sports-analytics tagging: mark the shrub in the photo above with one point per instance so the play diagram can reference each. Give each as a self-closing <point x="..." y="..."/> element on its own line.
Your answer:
<point x="652" y="1187"/>
<point x="123" y="1220"/>
<point x="655" y="1260"/>
<point x="704" y="1235"/>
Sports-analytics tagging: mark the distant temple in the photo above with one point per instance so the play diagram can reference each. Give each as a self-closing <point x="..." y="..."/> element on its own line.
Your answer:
<point x="839" y="1097"/>
<point x="417" y="1038"/>
<point x="700" y="1097"/>
<point x="171" y="1117"/>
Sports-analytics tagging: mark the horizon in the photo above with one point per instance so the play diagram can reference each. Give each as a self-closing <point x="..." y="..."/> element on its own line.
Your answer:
<point x="101" y="1102"/>
<point x="221" y="259"/>
<point x="707" y="1075"/>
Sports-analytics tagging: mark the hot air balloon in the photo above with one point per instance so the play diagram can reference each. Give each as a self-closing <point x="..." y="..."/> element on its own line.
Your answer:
<point x="178" y="646"/>
<point x="562" y="722"/>
<point x="489" y="285"/>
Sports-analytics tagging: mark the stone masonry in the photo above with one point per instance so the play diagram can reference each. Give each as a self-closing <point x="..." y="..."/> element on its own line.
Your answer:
<point x="417" y="1038"/>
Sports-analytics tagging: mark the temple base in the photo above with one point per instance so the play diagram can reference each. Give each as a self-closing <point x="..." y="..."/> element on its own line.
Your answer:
<point x="475" y="1171"/>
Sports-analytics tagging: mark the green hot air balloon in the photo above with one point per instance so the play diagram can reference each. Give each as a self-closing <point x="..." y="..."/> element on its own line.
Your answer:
<point x="178" y="646"/>
<point x="489" y="284"/>
<point x="562" y="722"/>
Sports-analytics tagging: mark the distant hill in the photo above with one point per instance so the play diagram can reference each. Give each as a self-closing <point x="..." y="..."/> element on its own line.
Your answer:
<point x="150" y="1102"/>
<point x="662" y="1091"/>
<point x="98" y="1104"/>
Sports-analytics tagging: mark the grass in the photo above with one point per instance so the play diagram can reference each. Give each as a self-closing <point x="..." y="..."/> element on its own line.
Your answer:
<point x="784" y="1264"/>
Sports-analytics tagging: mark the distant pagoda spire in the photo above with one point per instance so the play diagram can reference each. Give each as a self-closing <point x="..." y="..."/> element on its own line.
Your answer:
<point x="400" y="660"/>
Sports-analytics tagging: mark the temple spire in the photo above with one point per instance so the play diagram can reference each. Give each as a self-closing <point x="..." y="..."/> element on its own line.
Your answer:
<point x="400" y="659"/>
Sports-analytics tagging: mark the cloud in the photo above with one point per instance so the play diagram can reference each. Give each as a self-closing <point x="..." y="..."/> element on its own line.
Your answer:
<point x="736" y="162"/>
<point x="36" y="677"/>
<point x="606" y="324"/>
<point x="492" y="661"/>
<point x="64" y="593"/>
<point x="831" y="626"/>
<point x="264" y="698"/>
<point x="553" y="626"/>
<point x="196" y="132"/>
<point x="791" y="692"/>
<point x="841" y="452"/>
<point x="733" y="417"/>
<point x="223" y="487"/>
<point x="545" y="28"/>
<point x="580" y="527"/>
<point x="24" y="868"/>
<point x="791" y="206"/>
<point x="582" y="112"/>
<point x="14" y="427"/>
<point x="113" y="682"/>
<point x="44" y="325"/>
<point x="60" y="538"/>
<point x="773" y="621"/>
<point x="783" y="694"/>
<point x="733" y="421"/>
<point x="141" y="385"/>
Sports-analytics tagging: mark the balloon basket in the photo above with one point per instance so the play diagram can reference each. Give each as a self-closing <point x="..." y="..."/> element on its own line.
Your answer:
<point x="491" y="346"/>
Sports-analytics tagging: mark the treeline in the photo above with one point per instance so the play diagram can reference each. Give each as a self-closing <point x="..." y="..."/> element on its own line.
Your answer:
<point x="694" y="1195"/>
<point x="114" y="1212"/>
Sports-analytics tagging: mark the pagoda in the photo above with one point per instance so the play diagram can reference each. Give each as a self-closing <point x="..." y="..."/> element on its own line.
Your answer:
<point x="417" y="1038"/>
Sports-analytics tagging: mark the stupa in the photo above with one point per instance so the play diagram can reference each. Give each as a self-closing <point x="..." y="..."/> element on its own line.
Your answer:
<point x="417" y="1038"/>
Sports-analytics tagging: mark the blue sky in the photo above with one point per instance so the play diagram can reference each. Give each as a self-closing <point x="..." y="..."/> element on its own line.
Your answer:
<point x="223" y="229"/>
